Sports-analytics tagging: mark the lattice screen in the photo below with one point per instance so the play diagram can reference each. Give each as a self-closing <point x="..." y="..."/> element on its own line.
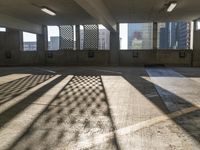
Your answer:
<point x="91" y="37"/>
<point x="67" y="37"/>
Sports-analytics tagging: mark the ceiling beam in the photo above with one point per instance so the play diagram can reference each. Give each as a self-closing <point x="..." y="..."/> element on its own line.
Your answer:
<point x="14" y="23"/>
<point x="98" y="10"/>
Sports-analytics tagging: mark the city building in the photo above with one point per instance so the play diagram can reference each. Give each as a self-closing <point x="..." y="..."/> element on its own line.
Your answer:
<point x="174" y="35"/>
<point x="30" y="46"/>
<point x="140" y="35"/>
<point x="53" y="44"/>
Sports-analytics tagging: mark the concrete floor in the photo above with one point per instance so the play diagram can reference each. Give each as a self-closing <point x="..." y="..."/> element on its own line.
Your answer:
<point x="107" y="108"/>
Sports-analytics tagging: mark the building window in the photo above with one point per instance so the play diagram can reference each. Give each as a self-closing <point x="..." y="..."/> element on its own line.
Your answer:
<point x="175" y="35"/>
<point x="2" y="29"/>
<point x="29" y="41"/>
<point x="136" y="36"/>
<point x="53" y="37"/>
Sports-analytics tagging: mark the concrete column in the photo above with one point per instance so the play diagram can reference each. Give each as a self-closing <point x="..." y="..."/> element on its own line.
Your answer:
<point x="78" y="37"/>
<point x="2" y="40"/>
<point x="196" y="47"/>
<point x="2" y="46"/>
<point x="13" y="40"/>
<point x="114" y="47"/>
<point x="42" y="40"/>
<point x="155" y="35"/>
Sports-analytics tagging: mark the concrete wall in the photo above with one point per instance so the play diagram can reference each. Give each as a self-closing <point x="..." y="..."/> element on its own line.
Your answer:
<point x="150" y="57"/>
<point x="78" y="57"/>
<point x="61" y="58"/>
<point x="101" y="57"/>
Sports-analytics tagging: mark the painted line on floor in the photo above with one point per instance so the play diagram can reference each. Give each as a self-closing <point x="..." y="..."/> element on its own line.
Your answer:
<point x="136" y="127"/>
<point x="102" y="70"/>
<point x="47" y="70"/>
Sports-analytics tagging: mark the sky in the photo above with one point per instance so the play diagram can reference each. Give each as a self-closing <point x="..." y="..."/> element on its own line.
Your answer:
<point x="29" y="37"/>
<point x="123" y="35"/>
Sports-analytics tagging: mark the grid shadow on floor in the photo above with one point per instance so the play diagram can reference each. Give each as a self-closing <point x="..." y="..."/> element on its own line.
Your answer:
<point x="10" y="90"/>
<point x="80" y="111"/>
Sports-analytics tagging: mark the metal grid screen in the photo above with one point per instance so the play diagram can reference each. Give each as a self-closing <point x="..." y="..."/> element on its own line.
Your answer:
<point x="91" y="37"/>
<point x="66" y="37"/>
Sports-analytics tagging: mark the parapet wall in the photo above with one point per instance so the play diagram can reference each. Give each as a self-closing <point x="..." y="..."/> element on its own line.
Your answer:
<point x="96" y="57"/>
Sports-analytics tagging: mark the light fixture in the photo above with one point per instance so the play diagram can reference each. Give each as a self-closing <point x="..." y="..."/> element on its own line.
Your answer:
<point x="48" y="11"/>
<point x="171" y="7"/>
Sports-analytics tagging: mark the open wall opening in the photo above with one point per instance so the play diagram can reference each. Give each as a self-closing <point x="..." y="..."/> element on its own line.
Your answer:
<point x="175" y="35"/>
<point x="53" y="37"/>
<point x="136" y="36"/>
<point x="29" y="41"/>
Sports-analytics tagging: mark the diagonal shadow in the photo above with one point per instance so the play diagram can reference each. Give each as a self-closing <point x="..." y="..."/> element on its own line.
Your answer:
<point x="188" y="122"/>
<point x="79" y="111"/>
<point x="14" y="88"/>
<point x="13" y="111"/>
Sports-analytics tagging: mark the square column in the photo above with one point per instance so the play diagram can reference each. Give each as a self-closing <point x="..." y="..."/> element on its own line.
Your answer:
<point x="114" y="47"/>
<point x="13" y="40"/>
<point x="78" y="37"/>
<point x="42" y="40"/>
<point x="196" y="46"/>
<point x="155" y="35"/>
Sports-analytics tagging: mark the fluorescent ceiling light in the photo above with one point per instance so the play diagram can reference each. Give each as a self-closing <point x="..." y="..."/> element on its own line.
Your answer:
<point x="171" y="6"/>
<point x="2" y="29"/>
<point x="48" y="11"/>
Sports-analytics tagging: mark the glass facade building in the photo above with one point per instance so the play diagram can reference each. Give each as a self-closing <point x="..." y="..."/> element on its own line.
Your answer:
<point x="174" y="35"/>
<point x="140" y="35"/>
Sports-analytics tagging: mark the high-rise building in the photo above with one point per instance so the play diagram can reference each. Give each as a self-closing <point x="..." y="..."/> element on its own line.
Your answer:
<point x="184" y="35"/>
<point x="174" y="35"/>
<point x="163" y="38"/>
<point x="54" y="43"/>
<point x="140" y="35"/>
<point x="30" y="46"/>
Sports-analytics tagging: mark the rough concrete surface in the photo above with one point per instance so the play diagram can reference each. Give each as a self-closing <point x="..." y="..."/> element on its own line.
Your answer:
<point x="114" y="108"/>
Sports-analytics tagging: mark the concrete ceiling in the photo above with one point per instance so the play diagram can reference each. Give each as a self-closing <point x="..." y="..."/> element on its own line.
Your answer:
<point x="69" y="12"/>
<point x="152" y="10"/>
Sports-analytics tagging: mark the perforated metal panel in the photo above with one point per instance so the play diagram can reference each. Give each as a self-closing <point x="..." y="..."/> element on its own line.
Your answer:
<point x="91" y="37"/>
<point x="66" y="37"/>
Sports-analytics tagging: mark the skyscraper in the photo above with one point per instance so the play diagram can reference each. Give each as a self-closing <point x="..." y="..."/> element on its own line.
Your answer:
<point x="174" y="35"/>
<point x="140" y="35"/>
<point x="184" y="35"/>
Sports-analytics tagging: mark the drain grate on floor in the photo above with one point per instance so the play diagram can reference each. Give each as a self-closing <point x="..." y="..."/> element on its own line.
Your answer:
<point x="154" y="65"/>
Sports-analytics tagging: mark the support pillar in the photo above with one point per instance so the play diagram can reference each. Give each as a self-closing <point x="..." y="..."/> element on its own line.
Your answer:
<point x="2" y="40"/>
<point x="196" y="47"/>
<point x="155" y="35"/>
<point x="114" y="47"/>
<point x="78" y="37"/>
<point x="42" y="40"/>
<point x="14" y="40"/>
